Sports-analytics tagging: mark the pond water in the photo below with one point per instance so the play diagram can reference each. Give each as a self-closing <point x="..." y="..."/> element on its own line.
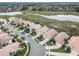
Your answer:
<point x="10" y="13"/>
<point x="72" y="18"/>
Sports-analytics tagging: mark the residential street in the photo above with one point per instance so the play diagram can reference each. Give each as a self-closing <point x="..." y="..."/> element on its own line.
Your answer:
<point x="36" y="48"/>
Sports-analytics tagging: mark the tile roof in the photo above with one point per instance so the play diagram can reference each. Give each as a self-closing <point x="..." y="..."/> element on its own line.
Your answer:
<point x="10" y="48"/>
<point x="61" y="37"/>
<point x="4" y="52"/>
<point x="4" y="37"/>
<point x="42" y="30"/>
<point x="74" y="43"/>
<point x="49" y="34"/>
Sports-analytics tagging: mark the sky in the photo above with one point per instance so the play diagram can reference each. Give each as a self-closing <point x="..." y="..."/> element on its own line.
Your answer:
<point x="39" y="0"/>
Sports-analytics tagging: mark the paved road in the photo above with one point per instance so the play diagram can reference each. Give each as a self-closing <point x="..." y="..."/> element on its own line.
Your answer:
<point x="36" y="48"/>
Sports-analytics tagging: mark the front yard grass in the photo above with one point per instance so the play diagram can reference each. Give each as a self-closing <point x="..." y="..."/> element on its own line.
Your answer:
<point x="33" y="33"/>
<point x="40" y="38"/>
<point x="49" y="43"/>
<point x="22" y="52"/>
<point x="18" y="40"/>
<point x="27" y="30"/>
<point x="62" y="50"/>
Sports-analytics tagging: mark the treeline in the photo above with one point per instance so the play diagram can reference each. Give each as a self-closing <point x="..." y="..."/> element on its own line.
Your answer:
<point x="49" y="7"/>
<point x="58" y="7"/>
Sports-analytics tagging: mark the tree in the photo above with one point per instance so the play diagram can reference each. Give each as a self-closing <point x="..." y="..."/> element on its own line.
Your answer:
<point x="68" y="49"/>
<point x="22" y="38"/>
<point x="33" y="33"/>
<point x="77" y="9"/>
<point x="27" y="30"/>
<point x="54" y="42"/>
<point x="40" y="37"/>
<point x="13" y="41"/>
<point x="24" y="7"/>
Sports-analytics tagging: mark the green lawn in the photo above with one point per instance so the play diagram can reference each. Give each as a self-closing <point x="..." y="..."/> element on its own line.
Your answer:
<point x="5" y="16"/>
<point x="18" y="40"/>
<point x="50" y="12"/>
<point x="49" y="43"/>
<point x="33" y="33"/>
<point x="40" y="38"/>
<point x="22" y="52"/>
<point x="59" y="50"/>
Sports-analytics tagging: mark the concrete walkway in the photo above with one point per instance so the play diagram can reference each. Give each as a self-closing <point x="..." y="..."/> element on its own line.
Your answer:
<point x="52" y="47"/>
<point x="44" y="41"/>
<point x="60" y="54"/>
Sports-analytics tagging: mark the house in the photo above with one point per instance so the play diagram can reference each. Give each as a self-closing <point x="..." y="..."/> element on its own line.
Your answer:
<point x="26" y="22"/>
<point x="16" y="20"/>
<point x="5" y="38"/>
<point x="49" y="34"/>
<point x="4" y="52"/>
<point x="35" y="26"/>
<point x="12" y="47"/>
<point x="41" y="30"/>
<point x="9" y="49"/>
<point x="74" y="44"/>
<point x="38" y="26"/>
<point x="32" y="25"/>
<point x="60" y="38"/>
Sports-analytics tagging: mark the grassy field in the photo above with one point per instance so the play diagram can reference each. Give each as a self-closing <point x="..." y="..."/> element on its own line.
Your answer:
<point x="50" y="12"/>
<point x="5" y="16"/>
<point x="67" y="26"/>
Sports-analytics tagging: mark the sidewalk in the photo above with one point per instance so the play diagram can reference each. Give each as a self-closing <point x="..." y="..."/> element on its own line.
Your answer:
<point x="61" y="54"/>
<point x="44" y="41"/>
<point x="52" y="47"/>
<point x="34" y="37"/>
